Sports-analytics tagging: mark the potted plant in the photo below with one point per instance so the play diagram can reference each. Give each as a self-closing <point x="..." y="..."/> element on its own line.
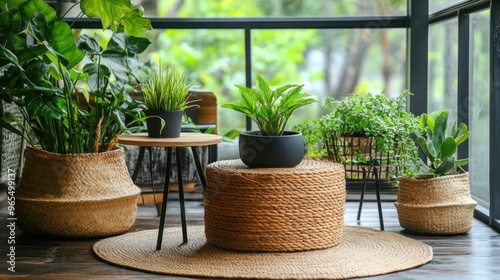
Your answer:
<point x="74" y="181"/>
<point x="270" y="109"/>
<point x="165" y="93"/>
<point x="370" y="134"/>
<point x="438" y="202"/>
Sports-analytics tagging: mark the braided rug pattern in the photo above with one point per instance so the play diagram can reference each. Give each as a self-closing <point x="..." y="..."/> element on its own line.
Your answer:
<point x="362" y="252"/>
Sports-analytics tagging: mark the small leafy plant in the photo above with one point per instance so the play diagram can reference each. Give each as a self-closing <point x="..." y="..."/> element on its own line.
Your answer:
<point x="167" y="89"/>
<point x="440" y="142"/>
<point x="270" y="108"/>
<point x="375" y="115"/>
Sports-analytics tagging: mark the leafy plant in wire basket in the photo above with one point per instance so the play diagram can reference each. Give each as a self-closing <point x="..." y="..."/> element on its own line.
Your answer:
<point x="270" y="108"/>
<point x="377" y="115"/>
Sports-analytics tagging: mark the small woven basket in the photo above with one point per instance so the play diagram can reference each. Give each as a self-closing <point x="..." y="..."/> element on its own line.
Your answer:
<point x="360" y="154"/>
<point x="274" y="209"/>
<point x="76" y="195"/>
<point x="440" y="205"/>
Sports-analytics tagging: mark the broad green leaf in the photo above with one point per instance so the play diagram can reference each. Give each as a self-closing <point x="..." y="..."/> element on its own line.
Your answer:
<point x="115" y="13"/>
<point x="15" y="4"/>
<point x="447" y="148"/>
<point x="31" y="7"/>
<point x="89" y="45"/>
<point x="120" y="41"/>
<point x="31" y="53"/>
<point x="439" y="131"/>
<point x="425" y="148"/>
<point x="445" y="167"/>
<point x="11" y="57"/>
<point x="6" y="122"/>
<point x="135" y="24"/>
<point x="462" y="134"/>
<point x="63" y="43"/>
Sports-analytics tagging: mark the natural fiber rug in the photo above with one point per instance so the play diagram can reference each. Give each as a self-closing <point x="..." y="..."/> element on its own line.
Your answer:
<point x="361" y="252"/>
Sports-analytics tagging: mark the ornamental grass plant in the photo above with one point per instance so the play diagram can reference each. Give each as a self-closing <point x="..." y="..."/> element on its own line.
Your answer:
<point x="167" y="89"/>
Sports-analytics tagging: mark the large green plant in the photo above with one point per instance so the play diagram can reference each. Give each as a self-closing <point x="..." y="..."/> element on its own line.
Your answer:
<point x="167" y="89"/>
<point x="270" y="108"/>
<point x="71" y="109"/>
<point x="440" y="141"/>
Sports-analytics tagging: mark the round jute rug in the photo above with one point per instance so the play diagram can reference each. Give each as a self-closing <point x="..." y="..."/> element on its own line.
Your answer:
<point x="361" y="252"/>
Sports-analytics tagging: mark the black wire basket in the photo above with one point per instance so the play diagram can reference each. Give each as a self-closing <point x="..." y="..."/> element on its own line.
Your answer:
<point x="361" y="156"/>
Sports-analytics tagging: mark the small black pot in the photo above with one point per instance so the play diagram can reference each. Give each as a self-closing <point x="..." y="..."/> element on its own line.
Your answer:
<point x="257" y="150"/>
<point x="173" y="122"/>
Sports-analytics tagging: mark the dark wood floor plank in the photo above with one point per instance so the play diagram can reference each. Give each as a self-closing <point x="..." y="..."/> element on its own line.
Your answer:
<point x="475" y="255"/>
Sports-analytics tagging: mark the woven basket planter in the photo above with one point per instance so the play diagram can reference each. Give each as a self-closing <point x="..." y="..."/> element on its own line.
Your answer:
<point x="274" y="209"/>
<point x="76" y="195"/>
<point x="441" y="205"/>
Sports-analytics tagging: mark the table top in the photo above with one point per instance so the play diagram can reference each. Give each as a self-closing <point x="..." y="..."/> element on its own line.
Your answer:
<point x="186" y="139"/>
<point x="307" y="166"/>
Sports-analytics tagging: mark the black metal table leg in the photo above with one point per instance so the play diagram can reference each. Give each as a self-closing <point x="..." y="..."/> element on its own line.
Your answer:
<point x="362" y="198"/>
<point x="181" y="195"/>
<point x="199" y="168"/>
<point x="379" y="202"/>
<point x="166" y="190"/>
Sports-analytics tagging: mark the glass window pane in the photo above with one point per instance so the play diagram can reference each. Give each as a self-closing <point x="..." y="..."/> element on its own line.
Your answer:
<point x="479" y="105"/>
<point x="331" y="62"/>
<point x="443" y="65"/>
<point x="437" y="5"/>
<point x="274" y="8"/>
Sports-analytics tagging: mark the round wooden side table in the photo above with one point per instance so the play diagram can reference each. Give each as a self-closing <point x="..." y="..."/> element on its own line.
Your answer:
<point x="274" y="209"/>
<point x="185" y="140"/>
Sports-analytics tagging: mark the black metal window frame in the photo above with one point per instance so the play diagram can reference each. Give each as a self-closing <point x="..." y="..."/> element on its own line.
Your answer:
<point x="249" y="24"/>
<point x="417" y="23"/>
<point x="462" y="12"/>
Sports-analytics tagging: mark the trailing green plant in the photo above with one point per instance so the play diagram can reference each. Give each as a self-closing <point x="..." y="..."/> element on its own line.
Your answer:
<point x="270" y="108"/>
<point x="167" y="89"/>
<point x="72" y="105"/>
<point x="439" y="142"/>
<point x="386" y="119"/>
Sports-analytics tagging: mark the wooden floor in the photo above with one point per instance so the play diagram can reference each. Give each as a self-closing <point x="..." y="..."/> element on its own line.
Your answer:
<point x="475" y="255"/>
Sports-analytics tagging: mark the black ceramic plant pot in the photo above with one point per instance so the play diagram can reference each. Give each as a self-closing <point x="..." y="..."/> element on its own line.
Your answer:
<point x="173" y="122"/>
<point x="257" y="150"/>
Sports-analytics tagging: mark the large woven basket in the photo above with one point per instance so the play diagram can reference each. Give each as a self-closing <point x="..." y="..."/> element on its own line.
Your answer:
<point x="274" y="209"/>
<point x="441" y="205"/>
<point x="76" y="195"/>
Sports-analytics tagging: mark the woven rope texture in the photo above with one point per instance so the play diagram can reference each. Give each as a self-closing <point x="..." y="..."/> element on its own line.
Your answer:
<point x="441" y="205"/>
<point x="274" y="209"/>
<point x="76" y="195"/>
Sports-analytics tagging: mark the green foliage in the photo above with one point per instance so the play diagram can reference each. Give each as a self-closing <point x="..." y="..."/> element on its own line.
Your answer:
<point x="270" y="108"/>
<point x="116" y="13"/>
<point x="368" y="115"/>
<point x="70" y="109"/>
<point x="166" y="89"/>
<point x="439" y="142"/>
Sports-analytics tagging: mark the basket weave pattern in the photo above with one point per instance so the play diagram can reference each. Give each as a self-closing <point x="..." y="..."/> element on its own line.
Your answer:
<point x="348" y="150"/>
<point x="441" y="205"/>
<point x="274" y="209"/>
<point x="76" y="195"/>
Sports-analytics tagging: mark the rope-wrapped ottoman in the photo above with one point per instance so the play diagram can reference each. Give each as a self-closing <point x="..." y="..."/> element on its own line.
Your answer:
<point x="274" y="209"/>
